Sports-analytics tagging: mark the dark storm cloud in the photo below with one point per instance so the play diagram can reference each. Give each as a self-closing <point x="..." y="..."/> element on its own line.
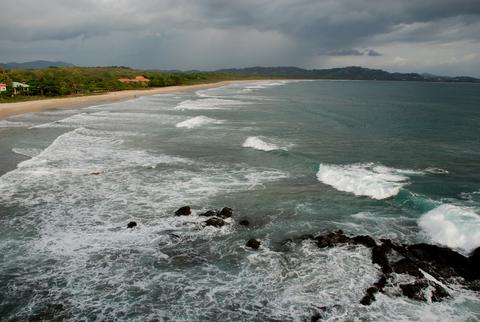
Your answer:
<point x="280" y="31"/>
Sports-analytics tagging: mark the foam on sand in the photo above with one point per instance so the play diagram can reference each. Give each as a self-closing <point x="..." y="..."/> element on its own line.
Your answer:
<point x="363" y="179"/>
<point x="197" y="121"/>
<point x="452" y="226"/>
<point x="262" y="144"/>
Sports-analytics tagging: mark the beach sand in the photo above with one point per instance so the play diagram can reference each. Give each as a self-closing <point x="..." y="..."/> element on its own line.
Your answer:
<point x="9" y="109"/>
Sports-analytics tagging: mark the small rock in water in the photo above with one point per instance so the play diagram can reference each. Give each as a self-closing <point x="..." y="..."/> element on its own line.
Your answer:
<point x="131" y="224"/>
<point x="96" y="173"/>
<point x="244" y="222"/>
<point x="253" y="243"/>
<point x="370" y="296"/>
<point x="226" y="212"/>
<point x="209" y="213"/>
<point x="183" y="211"/>
<point x="215" y="222"/>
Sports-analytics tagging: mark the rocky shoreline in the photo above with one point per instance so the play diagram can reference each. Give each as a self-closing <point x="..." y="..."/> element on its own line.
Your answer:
<point x="432" y="268"/>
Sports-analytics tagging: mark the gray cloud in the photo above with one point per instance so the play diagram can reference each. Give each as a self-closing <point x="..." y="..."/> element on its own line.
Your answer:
<point x="222" y="33"/>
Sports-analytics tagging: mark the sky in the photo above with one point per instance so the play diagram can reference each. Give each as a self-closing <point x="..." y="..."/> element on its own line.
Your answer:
<point x="426" y="36"/>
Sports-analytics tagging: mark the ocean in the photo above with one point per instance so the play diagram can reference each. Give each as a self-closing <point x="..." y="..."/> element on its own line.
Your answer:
<point x="397" y="160"/>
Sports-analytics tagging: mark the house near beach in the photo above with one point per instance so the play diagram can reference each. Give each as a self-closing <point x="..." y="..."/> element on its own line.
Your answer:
<point x="20" y="87"/>
<point x="3" y="87"/>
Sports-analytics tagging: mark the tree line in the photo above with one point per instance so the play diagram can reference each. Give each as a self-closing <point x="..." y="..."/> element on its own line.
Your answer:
<point x="64" y="81"/>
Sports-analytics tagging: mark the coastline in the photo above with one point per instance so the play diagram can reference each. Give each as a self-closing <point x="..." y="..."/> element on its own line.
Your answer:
<point x="10" y="109"/>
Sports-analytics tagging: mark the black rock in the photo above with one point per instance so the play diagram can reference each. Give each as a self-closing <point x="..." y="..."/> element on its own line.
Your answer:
<point x="183" y="211"/>
<point x="244" y="222"/>
<point x="215" y="222"/>
<point x="416" y="290"/>
<point x="382" y="281"/>
<point x="369" y="296"/>
<point x="209" y="213"/>
<point x="405" y="266"/>
<point x="226" y="213"/>
<point x="379" y="256"/>
<point x="441" y="261"/>
<point x="131" y="224"/>
<point x="475" y="261"/>
<point x="332" y="239"/>
<point x="366" y="241"/>
<point x="253" y="243"/>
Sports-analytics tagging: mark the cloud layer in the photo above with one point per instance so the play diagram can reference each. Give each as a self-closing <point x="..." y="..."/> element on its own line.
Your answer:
<point x="438" y="36"/>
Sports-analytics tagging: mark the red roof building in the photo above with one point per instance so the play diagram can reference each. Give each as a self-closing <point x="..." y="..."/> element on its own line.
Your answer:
<point x="134" y="80"/>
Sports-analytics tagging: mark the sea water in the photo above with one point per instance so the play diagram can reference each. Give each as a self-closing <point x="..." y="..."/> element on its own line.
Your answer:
<point x="398" y="160"/>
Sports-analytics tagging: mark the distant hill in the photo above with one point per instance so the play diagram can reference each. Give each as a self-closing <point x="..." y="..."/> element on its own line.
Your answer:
<point x="36" y="64"/>
<point x="351" y="73"/>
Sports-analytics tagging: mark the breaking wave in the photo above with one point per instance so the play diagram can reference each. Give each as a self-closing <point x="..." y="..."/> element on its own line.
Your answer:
<point x="364" y="179"/>
<point x="197" y="121"/>
<point x="262" y="144"/>
<point x="452" y="226"/>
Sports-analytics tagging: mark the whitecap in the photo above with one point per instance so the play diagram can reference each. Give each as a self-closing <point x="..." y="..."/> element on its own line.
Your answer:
<point x="5" y="123"/>
<point x="434" y="170"/>
<point x="197" y="121"/>
<point x="363" y="179"/>
<point x="28" y="152"/>
<point x="262" y="144"/>
<point x="208" y="104"/>
<point x="453" y="226"/>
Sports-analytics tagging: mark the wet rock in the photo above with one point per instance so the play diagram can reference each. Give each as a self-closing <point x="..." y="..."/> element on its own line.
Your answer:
<point x="226" y="213"/>
<point x="244" y="222"/>
<point x="379" y="256"/>
<point x="332" y="239"/>
<point x="253" y="243"/>
<point x="96" y="173"/>
<point x="215" y="222"/>
<point x="441" y="262"/>
<point x="475" y="260"/>
<point x="183" y="211"/>
<point x="131" y="224"/>
<point x="405" y="266"/>
<point x="369" y="297"/>
<point x="417" y="291"/>
<point x="209" y="213"/>
<point x="382" y="282"/>
<point x="364" y="240"/>
<point x="53" y="312"/>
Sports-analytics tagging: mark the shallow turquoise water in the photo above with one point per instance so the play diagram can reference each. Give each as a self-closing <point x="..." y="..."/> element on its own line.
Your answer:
<point x="391" y="159"/>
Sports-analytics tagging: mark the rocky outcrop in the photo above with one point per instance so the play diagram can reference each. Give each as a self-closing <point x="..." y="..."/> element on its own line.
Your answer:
<point x="253" y="243"/>
<point x="183" y="211"/>
<point x="215" y="222"/>
<point x="226" y="213"/>
<point x="209" y="213"/>
<point x="131" y="224"/>
<point x="244" y="222"/>
<point x="419" y="291"/>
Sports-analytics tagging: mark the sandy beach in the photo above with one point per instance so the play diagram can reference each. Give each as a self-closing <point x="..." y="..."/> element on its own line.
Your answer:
<point x="9" y="109"/>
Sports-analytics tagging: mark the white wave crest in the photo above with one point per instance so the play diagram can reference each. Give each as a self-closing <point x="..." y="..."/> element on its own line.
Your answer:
<point x="452" y="226"/>
<point x="197" y="121"/>
<point x="5" y="123"/>
<point x="363" y="179"/>
<point x="260" y="143"/>
<point x="208" y="104"/>
<point x="28" y="152"/>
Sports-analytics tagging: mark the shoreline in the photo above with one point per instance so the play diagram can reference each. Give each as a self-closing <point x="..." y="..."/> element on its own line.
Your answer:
<point x="16" y="108"/>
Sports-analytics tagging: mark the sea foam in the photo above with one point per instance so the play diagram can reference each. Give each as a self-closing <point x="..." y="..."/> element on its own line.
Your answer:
<point x="207" y="104"/>
<point x="260" y="143"/>
<point x="452" y="226"/>
<point x="197" y="121"/>
<point x="363" y="179"/>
